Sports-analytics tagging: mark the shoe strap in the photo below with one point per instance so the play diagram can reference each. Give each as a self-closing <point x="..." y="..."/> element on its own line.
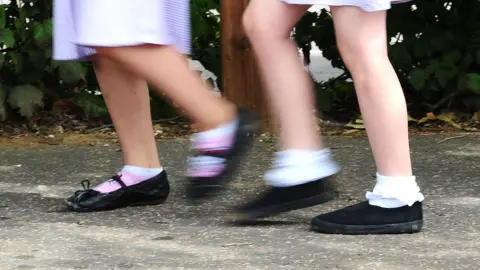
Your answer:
<point x="117" y="179"/>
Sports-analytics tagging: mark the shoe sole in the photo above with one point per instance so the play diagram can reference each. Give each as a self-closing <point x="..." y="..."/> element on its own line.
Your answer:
<point x="398" y="228"/>
<point x="240" y="217"/>
<point x="77" y="208"/>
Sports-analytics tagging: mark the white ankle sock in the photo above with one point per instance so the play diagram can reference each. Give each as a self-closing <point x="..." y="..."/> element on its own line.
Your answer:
<point x="130" y="175"/>
<point x="215" y="140"/>
<point x="394" y="192"/>
<point x="142" y="172"/>
<point x="217" y="137"/>
<point x="296" y="167"/>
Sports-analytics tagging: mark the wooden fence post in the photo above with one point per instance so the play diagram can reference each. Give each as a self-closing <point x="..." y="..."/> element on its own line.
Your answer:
<point x="240" y="79"/>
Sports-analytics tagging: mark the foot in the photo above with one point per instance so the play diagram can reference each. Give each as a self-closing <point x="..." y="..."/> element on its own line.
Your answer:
<point x="217" y="159"/>
<point x="151" y="191"/>
<point x="364" y="218"/>
<point x="276" y="200"/>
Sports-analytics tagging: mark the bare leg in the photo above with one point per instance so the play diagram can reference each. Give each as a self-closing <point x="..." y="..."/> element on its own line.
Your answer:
<point x="170" y="74"/>
<point x="297" y="179"/>
<point x="224" y="127"/>
<point x="364" y="51"/>
<point x="288" y="86"/>
<point x="395" y="205"/>
<point x="127" y="99"/>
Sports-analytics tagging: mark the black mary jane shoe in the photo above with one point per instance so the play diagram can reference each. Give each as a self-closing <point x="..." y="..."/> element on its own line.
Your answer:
<point x="152" y="191"/>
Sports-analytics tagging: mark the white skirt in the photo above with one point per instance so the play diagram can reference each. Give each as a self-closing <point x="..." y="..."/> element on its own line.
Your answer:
<point x="366" y="5"/>
<point x="113" y="23"/>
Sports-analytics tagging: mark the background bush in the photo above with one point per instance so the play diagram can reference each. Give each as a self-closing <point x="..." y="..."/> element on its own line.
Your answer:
<point x="32" y="81"/>
<point x="435" y="50"/>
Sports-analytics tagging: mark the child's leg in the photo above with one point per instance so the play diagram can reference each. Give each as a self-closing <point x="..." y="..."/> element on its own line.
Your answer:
<point x="364" y="51"/>
<point x="147" y="40"/>
<point x="169" y="72"/>
<point x="128" y="102"/>
<point x="225" y="130"/>
<point x="127" y="99"/>
<point x="300" y="170"/>
<point x="362" y="41"/>
<point x="288" y="85"/>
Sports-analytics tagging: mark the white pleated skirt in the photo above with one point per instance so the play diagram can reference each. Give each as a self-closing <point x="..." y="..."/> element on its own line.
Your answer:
<point x="114" y="23"/>
<point x="366" y="5"/>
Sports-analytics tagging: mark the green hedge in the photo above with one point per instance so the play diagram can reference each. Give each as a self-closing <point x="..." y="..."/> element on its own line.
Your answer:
<point x="31" y="80"/>
<point x="438" y="60"/>
<point x="437" y="57"/>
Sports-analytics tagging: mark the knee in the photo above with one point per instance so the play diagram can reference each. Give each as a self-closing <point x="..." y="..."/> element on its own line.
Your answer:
<point x="100" y="62"/>
<point x="365" y="62"/>
<point x="258" y="27"/>
<point x="251" y="26"/>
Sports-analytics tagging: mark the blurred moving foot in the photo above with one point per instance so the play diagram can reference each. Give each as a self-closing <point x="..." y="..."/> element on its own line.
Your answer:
<point x="219" y="153"/>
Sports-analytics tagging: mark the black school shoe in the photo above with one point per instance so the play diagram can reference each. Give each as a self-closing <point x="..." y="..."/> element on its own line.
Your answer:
<point x="364" y="218"/>
<point x="199" y="188"/>
<point x="152" y="191"/>
<point x="276" y="200"/>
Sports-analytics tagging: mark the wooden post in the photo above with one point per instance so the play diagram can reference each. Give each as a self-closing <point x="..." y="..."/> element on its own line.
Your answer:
<point x="240" y="79"/>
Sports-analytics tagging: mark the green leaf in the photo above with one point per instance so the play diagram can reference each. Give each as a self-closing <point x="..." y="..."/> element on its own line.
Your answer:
<point x="400" y="55"/>
<point x="56" y="63"/>
<point x="432" y="68"/>
<point x="3" y="16"/>
<point x="26" y="98"/>
<point x="19" y="25"/>
<point x="48" y="27"/>
<point x="417" y="78"/>
<point x="72" y="72"/>
<point x="92" y="104"/>
<point x="38" y="32"/>
<point x="17" y="61"/>
<point x="462" y="81"/>
<point x="7" y="37"/>
<point x="451" y="58"/>
<point x="443" y="76"/>
<point x="473" y="83"/>
<point x="2" y="59"/>
<point x="36" y="59"/>
<point x="43" y="32"/>
<point x="3" y="109"/>
<point x="467" y="61"/>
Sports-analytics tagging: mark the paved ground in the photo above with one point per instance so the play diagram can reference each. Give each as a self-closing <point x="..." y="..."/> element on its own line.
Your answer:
<point x="37" y="234"/>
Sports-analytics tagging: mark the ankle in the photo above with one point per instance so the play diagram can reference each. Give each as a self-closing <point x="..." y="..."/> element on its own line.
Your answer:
<point x="395" y="173"/>
<point x="311" y="142"/>
<point x="139" y="170"/>
<point x="295" y="167"/>
<point x="225" y="115"/>
<point x="394" y="192"/>
<point x="148" y="163"/>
